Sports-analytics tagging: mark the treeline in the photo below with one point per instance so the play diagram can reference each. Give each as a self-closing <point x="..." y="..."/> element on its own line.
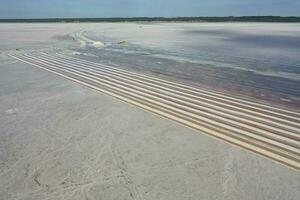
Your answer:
<point x="163" y="19"/>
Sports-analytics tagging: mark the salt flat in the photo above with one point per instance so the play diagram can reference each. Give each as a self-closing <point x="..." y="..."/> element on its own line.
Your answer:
<point x="60" y="140"/>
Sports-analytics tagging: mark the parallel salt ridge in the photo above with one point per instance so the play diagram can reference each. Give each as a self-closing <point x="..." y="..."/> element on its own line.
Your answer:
<point x="280" y="143"/>
<point x="192" y="104"/>
<point x="246" y="113"/>
<point x="213" y="93"/>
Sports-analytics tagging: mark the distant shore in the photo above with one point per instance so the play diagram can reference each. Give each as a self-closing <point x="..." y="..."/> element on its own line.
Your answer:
<point x="158" y="19"/>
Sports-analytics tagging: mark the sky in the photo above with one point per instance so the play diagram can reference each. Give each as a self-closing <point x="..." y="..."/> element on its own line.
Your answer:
<point x="147" y="8"/>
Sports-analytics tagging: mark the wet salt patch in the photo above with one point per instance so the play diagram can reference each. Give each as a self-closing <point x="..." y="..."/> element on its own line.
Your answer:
<point x="90" y="55"/>
<point x="76" y="53"/>
<point x="285" y="100"/>
<point x="85" y="41"/>
<point x="295" y="98"/>
<point x="98" y="44"/>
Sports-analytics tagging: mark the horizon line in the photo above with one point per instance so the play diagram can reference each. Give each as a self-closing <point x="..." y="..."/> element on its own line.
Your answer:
<point x="153" y="17"/>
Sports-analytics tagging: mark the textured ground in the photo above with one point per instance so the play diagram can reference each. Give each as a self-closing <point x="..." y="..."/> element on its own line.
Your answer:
<point x="59" y="140"/>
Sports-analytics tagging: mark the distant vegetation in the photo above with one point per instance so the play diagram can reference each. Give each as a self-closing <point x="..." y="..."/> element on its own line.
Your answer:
<point x="163" y="19"/>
